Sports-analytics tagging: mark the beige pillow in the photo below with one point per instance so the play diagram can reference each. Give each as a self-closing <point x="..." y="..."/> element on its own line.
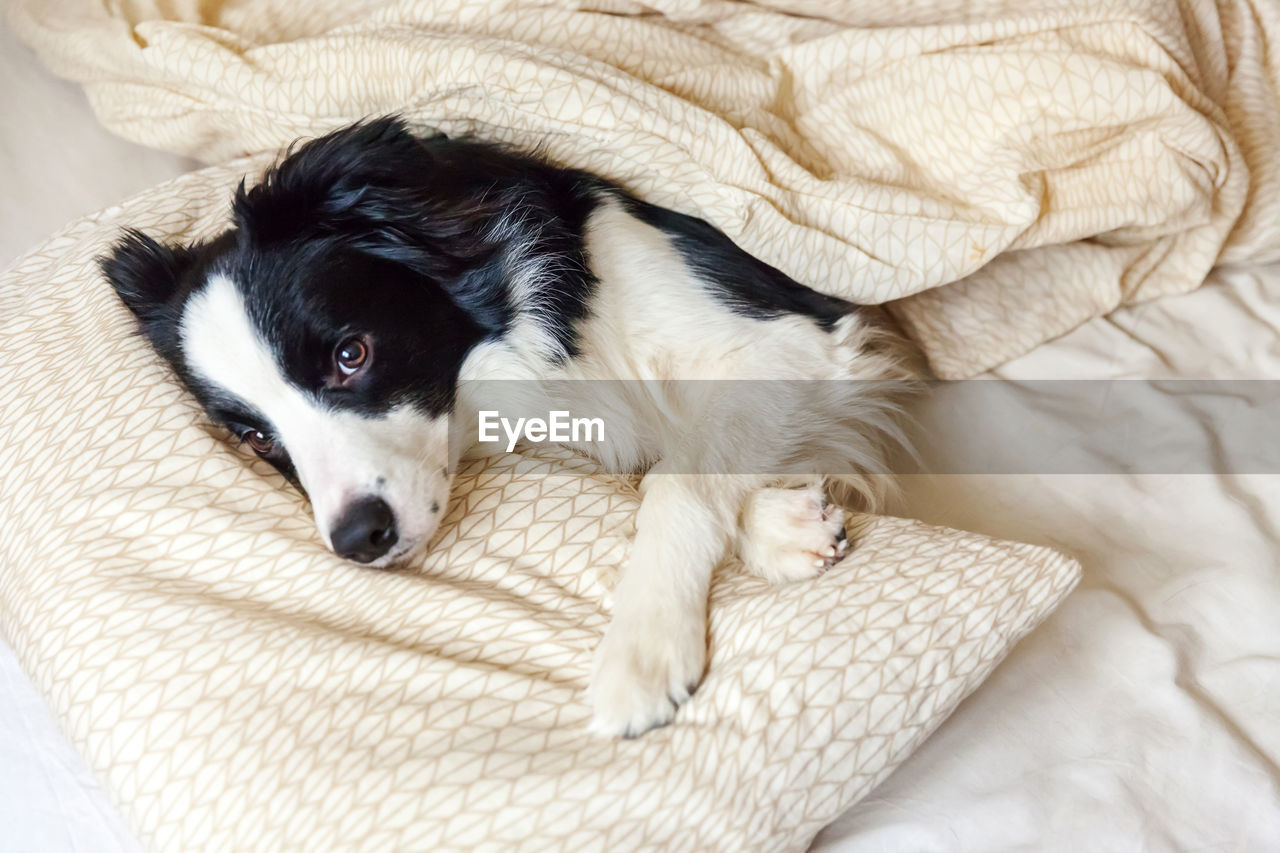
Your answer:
<point x="239" y="688"/>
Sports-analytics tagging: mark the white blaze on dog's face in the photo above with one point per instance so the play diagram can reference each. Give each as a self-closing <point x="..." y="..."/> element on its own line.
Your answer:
<point x="378" y="481"/>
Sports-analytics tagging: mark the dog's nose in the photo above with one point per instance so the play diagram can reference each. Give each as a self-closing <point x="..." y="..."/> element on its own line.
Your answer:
<point x="365" y="531"/>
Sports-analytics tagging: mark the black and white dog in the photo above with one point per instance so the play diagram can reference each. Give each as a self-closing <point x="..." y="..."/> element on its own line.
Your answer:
<point x="373" y="275"/>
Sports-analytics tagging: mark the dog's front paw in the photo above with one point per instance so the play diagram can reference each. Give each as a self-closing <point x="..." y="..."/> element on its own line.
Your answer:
<point x="791" y="534"/>
<point x="646" y="666"/>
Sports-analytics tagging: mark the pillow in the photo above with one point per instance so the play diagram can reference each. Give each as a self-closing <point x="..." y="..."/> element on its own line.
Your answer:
<point x="238" y="687"/>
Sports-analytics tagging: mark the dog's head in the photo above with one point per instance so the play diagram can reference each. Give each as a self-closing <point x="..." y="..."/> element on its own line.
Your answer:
<point x="328" y="326"/>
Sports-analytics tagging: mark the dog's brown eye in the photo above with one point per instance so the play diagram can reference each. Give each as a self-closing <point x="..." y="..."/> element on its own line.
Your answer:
<point x="351" y="355"/>
<point x="259" y="441"/>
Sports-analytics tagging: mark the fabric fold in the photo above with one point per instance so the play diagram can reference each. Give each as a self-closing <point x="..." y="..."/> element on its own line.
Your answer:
<point x="881" y="155"/>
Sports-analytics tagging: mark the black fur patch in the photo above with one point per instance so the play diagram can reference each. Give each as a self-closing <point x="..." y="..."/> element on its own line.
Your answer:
<point x="747" y="286"/>
<point x="465" y="215"/>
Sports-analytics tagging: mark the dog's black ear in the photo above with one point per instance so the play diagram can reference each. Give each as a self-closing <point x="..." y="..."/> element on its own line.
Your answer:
<point x="370" y="175"/>
<point x="146" y="274"/>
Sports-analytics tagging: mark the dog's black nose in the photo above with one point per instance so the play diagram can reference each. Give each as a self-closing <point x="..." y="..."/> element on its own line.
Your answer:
<point x="365" y="532"/>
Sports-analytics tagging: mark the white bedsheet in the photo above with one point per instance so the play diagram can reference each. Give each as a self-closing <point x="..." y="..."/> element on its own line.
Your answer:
<point x="49" y="800"/>
<point x="1142" y="715"/>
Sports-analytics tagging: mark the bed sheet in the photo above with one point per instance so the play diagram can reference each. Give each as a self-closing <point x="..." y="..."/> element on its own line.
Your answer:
<point x="1141" y="715"/>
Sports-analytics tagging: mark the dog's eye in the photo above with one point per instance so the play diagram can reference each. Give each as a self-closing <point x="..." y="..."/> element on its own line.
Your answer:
<point x="351" y="355"/>
<point x="261" y="443"/>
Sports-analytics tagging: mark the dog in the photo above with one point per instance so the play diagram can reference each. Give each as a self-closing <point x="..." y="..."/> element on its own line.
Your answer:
<point x="374" y="278"/>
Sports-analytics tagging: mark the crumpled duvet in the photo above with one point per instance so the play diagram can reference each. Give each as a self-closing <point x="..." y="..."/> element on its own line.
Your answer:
<point x="999" y="172"/>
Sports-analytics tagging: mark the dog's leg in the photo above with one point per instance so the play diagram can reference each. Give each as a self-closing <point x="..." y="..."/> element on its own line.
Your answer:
<point x="653" y="653"/>
<point x="789" y="534"/>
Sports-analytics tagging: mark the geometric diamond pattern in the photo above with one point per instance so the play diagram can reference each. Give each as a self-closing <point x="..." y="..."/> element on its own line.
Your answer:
<point x="1099" y="153"/>
<point x="237" y="687"/>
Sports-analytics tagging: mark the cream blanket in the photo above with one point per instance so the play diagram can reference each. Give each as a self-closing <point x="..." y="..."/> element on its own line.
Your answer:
<point x="1046" y="160"/>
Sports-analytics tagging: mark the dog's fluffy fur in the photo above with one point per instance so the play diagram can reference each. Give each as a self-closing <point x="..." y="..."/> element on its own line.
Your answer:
<point x="373" y="276"/>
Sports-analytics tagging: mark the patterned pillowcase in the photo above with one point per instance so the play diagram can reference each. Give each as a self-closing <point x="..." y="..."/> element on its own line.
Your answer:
<point x="238" y="687"/>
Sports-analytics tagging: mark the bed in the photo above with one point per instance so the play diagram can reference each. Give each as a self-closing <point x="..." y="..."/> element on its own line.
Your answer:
<point x="1140" y="715"/>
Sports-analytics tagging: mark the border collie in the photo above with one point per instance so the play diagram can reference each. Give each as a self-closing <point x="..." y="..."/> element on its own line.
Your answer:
<point x="374" y="276"/>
